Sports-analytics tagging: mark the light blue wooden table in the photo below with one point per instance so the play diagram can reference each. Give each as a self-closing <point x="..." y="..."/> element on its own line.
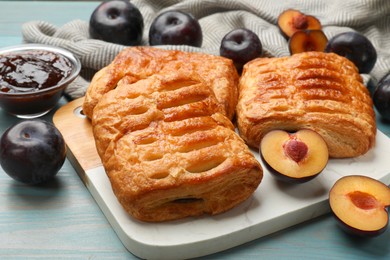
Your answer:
<point x="62" y="220"/>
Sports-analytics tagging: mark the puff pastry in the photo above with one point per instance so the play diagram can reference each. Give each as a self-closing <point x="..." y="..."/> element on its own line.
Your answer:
<point x="135" y="63"/>
<point x="169" y="150"/>
<point x="320" y="91"/>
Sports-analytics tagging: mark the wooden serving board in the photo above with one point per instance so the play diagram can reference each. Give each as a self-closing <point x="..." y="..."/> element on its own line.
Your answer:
<point x="273" y="207"/>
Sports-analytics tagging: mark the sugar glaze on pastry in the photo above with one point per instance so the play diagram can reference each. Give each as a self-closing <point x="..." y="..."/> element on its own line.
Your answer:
<point x="169" y="150"/>
<point x="319" y="91"/>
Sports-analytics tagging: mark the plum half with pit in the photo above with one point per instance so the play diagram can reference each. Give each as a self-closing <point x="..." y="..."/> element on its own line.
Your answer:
<point x="307" y="40"/>
<point x="356" y="47"/>
<point x="117" y="21"/>
<point x="359" y="204"/>
<point x="381" y="97"/>
<point x="175" y="28"/>
<point x="294" y="157"/>
<point x="32" y="151"/>
<point x="291" y="21"/>
<point x="241" y="45"/>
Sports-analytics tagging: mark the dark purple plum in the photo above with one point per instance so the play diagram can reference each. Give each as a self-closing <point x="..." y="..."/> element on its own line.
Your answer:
<point x="381" y="97"/>
<point x="175" y="28"/>
<point x="32" y="151"/>
<point x="355" y="47"/>
<point x="117" y="21"/>
<point x="241" y="45"/>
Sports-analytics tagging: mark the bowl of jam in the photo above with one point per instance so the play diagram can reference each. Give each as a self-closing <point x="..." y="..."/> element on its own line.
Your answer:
<point x="33" y="78"/>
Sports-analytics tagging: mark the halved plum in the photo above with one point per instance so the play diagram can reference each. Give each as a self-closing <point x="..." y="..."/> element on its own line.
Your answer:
<point x="291" y="21"/>
<point x="359" y="204"/>
<point x="308" y="40"/>
<point x="294" y="157"/>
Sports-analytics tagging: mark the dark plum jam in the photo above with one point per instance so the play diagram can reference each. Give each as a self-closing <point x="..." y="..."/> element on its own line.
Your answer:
<point x="30" y="71"/>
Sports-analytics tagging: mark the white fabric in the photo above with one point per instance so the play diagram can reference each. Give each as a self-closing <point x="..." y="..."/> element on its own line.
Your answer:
<point x="217" y="18"/>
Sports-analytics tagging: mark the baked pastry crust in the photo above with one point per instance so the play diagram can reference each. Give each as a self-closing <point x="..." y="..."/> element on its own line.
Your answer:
<point x="169" y="150"/>
<point x="315" y="90"/>
<point x="135" y="63"/>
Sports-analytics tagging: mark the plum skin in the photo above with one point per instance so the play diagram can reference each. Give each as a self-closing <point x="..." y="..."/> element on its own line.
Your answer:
<point x="241" y="45"/>
<point x="381" y="97"/>
<point x="175" y="28"/>
<point x="284" y="178"/>
<point x="355" y="47"/>
<point x="117" y="21"/>
<point x="32" y="151"/>
<point x="357" y="232"/>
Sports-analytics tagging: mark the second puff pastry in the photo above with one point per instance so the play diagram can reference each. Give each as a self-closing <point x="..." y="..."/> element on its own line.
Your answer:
<point x="315" y="90"/>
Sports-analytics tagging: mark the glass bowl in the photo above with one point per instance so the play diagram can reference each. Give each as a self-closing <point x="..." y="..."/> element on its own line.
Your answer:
<point x="34" y="102"/>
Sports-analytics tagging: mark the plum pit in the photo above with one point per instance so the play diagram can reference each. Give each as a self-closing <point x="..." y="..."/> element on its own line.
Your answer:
<point x="363" y="200"/>
<point x="296" y="149"/>
<point x="300" y="22"/>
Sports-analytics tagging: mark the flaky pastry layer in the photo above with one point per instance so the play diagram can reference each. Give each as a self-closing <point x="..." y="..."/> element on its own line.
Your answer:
<point x="135" y="63"/>
<point x="169" y="150"/>
<point x="315" y="90"/>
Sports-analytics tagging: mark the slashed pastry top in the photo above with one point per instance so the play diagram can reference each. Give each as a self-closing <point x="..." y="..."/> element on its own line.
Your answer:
<point x="169" y="150"/>
<point x="315" y="90"/>
<point x="135" y="63"/>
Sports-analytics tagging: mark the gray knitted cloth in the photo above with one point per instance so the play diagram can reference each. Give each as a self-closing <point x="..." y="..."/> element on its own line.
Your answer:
<point x="218" y="17"/>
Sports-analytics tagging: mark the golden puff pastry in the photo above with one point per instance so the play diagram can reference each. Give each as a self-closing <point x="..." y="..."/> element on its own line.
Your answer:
<point x="169" y="151"/>
<point x="315" y="90"/>
<point x="135" y="63"/>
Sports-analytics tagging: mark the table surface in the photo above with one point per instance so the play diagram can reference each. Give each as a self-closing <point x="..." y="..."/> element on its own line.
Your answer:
<point x="62" y="220"/>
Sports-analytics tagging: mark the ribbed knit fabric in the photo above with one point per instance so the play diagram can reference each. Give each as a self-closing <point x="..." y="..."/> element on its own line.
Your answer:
<point x="217" y="18"/>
